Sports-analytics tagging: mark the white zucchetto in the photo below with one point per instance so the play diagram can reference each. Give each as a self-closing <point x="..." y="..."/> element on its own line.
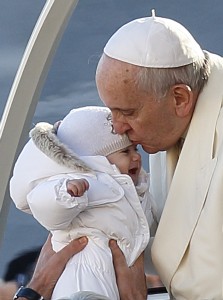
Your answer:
<point x="154" y="42"/>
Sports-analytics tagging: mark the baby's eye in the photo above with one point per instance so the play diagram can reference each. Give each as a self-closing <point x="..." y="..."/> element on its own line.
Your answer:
<point x="126" y="151"/>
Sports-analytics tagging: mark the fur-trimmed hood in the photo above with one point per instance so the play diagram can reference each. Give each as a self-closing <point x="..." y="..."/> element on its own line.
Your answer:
<point x="45" y="139"/>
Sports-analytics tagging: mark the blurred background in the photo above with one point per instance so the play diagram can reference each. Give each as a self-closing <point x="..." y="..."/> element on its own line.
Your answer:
<point x="70" y="82"/>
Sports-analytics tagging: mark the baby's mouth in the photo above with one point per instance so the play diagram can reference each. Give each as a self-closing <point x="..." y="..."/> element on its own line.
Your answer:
<point x="133" y="171"/>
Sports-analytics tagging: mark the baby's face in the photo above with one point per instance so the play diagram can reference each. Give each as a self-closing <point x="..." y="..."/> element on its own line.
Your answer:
<point x="128" y="161"/>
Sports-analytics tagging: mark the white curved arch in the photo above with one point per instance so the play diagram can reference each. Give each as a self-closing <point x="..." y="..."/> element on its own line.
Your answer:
<point x="27" y="86"/>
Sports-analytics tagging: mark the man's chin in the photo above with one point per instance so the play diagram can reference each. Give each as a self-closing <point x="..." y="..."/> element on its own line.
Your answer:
<point x="149" y="149"/>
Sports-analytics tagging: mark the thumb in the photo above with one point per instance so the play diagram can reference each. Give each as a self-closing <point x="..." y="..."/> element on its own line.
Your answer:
<point x="73" y="248"/>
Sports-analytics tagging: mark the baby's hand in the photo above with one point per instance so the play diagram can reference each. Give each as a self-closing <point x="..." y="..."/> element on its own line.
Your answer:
<point x="77" y="187"/>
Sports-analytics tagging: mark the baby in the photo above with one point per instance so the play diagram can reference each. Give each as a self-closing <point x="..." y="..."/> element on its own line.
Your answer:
<point x="85" y="180"/>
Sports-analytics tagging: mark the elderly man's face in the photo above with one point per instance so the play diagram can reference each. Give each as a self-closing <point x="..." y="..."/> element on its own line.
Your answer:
<point x="151" y="123"/>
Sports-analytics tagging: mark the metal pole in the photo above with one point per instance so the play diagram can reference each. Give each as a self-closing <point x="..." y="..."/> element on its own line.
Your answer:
<point x="26" y="89"/>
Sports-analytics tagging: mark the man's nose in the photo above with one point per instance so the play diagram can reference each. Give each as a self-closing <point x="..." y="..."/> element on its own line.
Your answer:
<point x="120" y="127"/>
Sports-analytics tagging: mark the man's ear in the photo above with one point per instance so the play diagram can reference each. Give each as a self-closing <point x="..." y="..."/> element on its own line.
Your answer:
<point x="184" y="100"/>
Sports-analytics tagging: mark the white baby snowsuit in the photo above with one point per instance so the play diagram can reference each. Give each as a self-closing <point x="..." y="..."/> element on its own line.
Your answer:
<point x="110" y="209"/>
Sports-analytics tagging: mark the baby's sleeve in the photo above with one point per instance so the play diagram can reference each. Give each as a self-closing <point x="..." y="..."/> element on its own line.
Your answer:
<point x="52" y="206"/>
